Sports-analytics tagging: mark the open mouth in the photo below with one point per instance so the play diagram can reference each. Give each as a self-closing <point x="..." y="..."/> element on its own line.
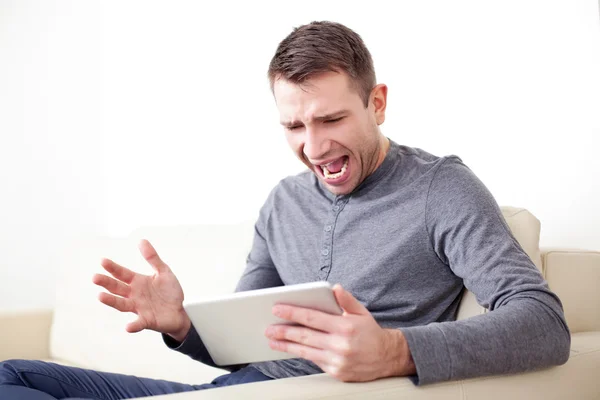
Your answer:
<point x="336" y="170"/>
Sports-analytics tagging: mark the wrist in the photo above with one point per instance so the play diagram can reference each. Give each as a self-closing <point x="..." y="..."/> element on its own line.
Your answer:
<point x="399" y="358"/>
<point x="181" y="333"/>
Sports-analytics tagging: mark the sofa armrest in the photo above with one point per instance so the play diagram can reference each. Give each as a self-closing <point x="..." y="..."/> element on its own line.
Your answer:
<point x="25" y="334"/>
<point x="322" y="386"/>
<point x="574" y="275"/>
<point x="575" y="379"/>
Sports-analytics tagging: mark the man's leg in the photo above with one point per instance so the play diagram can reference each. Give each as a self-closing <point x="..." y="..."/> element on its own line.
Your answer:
<point x="244" y="375"/>
<point x="37" y="380"/>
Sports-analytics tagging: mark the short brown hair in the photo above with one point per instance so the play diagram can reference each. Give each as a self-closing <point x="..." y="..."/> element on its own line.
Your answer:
<point x="324" y="46"/>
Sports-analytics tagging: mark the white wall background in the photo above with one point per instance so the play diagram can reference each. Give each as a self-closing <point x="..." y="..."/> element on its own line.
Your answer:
<point x="51" y="138"/>
<point x="120" y="114"/>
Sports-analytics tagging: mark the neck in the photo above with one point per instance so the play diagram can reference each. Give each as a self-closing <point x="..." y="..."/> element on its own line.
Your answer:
<point x="384" y="146"/>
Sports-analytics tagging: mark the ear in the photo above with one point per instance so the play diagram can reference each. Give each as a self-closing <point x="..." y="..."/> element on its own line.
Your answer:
<point x="378" y="100"/>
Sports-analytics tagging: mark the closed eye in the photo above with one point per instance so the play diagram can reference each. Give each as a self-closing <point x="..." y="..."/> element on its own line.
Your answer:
<point x="327" y="121"/>
<point x="331" y="121"/>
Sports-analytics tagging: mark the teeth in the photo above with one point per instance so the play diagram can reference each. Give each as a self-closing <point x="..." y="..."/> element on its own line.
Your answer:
<point x="329" y="175"/>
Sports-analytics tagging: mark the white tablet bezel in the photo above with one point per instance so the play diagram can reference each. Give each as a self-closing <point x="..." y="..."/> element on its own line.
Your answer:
<point x="233" y="327"/>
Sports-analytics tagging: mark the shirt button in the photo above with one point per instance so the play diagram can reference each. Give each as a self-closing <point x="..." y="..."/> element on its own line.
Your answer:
<point x="325" y="252"/>
<point x="327" y="228"/>
<point x="336" y="208"/>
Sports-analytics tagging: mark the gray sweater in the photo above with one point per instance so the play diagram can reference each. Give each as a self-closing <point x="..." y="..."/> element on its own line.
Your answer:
<point x="405" y="243"/>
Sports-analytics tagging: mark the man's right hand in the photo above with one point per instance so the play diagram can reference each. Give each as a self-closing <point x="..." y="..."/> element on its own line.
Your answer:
<point x="156" y="299"/>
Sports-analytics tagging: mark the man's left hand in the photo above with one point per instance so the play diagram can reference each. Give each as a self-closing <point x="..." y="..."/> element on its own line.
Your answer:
<point x="351" y="347"/>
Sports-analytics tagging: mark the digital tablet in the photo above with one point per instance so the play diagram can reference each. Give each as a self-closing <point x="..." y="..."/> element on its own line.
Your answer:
<point x="233" y="327"/>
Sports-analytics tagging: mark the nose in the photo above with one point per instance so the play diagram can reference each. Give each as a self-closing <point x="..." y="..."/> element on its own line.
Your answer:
<point x="316" y="145"/>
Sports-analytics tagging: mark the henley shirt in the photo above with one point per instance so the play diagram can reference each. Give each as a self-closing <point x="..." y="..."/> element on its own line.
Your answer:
<point x="405" y="243"/>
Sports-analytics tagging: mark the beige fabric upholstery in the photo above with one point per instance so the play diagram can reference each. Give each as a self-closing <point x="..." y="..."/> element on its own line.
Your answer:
<point x="574" y="276"/>
<point x="25" y="334"/>
<point x="526" y="229"/>
<point x="324" y="387"/>
<point x="468" y="306"/>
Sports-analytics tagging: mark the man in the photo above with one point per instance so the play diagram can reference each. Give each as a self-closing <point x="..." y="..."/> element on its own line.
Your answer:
<point x="402" y="231"/>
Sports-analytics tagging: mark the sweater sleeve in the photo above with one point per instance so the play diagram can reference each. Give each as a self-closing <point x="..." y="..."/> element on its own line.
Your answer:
<point x="260" y="270"/>
<point x="525" y="327"/>
<point x="193" y="347"/>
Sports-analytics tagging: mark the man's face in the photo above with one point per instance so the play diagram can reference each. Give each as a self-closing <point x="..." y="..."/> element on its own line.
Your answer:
<point x="330" y="130"/>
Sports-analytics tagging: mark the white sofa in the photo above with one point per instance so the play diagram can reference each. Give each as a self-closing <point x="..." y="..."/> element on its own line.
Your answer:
<point x="208" y="261"/>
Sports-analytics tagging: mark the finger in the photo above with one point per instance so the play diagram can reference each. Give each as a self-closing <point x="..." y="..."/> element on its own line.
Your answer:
<point x="300" y="335"/>
<point x="150" y="255"/>
<point x="307" y="317"/>
<point x="349" y="302"/>
<point x="335" y="344"/>
<point x="112" y="285"/>
<point x="118" y="303"/>
<point x="135" y="326"/>
<point x="300" y="350"/>
<point x="121" y="273"/>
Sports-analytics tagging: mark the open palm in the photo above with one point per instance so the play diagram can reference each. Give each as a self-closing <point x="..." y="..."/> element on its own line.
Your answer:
<point x="156" y="299"/>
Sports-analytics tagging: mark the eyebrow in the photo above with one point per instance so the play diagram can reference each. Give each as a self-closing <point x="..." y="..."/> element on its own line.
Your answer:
<point x="319" y="118"/>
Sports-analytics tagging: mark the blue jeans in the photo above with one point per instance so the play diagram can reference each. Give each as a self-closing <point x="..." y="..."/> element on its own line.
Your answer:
<point x="38" y="380"/>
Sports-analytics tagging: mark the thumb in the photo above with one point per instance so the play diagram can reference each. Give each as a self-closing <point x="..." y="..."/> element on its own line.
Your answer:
<point x="349" y="302"/>
<point x="150" y="255"/>
<point x="135" y="326"/>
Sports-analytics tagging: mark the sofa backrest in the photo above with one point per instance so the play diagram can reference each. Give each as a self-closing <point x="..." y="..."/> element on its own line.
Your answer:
<point x="208" y="260"/>
<point x="574" y="275"/>
<point x="526" y="230"/>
